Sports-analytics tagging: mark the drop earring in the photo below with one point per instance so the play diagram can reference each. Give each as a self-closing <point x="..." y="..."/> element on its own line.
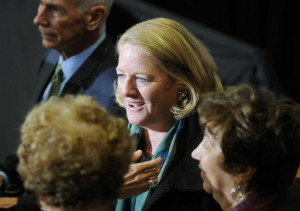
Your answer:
<point x="237" y="193"/>
<point x="182" y="95"/>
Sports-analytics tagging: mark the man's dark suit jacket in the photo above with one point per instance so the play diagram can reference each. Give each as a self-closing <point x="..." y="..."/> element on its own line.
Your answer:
<point x="95" y="77"/>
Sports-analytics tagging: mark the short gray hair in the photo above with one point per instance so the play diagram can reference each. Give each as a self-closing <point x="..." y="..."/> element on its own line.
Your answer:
<point x="85" y="5"/>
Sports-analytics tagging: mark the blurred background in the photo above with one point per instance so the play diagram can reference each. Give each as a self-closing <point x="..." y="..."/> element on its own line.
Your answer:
<point x="253" y="41"/>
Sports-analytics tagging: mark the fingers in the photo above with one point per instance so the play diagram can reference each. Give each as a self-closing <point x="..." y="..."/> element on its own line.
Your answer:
<point x="150" y="165"/>
<point x="154" y="180"/>
<point x="137" y="155"/>
<point x="157" y="160"/>
<point x="136" y="181"/>
<point x="140" y="173"/>
<point x="151" y="173"/>
<point x="145" y="170"/>
<point x="151" y="184"/>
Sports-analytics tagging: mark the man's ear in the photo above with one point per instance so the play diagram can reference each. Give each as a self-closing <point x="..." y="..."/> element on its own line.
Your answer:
<point x="245" y="175"/>
<point x="95" y="17"/>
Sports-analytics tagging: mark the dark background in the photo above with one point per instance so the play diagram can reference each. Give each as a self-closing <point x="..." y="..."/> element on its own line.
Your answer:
<point x="270" y="25"/>
<point x="273" y="25"/>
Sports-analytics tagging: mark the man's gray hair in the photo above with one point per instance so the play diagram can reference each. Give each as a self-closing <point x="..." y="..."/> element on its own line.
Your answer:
<point x="85" y="5"/>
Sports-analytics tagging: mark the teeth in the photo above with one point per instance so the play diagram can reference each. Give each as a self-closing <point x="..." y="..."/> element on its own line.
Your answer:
<point x="135" y="104"/>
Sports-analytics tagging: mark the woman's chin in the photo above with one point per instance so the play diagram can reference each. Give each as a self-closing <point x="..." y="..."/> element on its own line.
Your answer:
<point x="207" y="188"/>
<point x="135" y="121"/>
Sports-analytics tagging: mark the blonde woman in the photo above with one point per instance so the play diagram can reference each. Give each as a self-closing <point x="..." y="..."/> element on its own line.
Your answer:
<point x="162" y="72"/>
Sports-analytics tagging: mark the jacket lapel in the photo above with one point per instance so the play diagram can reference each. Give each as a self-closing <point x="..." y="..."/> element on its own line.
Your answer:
<point x="46" y="70"/>
<point x="81" y="80"/>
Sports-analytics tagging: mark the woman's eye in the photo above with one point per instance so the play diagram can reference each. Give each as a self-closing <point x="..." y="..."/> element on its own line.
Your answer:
<point x="120" y="76"/>
<point x="205" y="146"/>
<point x="205" y="141"/>
<point x="141" y="79"/>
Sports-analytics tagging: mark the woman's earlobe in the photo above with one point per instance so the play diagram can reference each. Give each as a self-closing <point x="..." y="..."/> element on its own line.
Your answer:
<point x="245" y="176"/>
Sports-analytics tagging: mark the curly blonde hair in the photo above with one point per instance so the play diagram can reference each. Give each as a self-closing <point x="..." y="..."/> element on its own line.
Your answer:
<point x="73" y="152"/>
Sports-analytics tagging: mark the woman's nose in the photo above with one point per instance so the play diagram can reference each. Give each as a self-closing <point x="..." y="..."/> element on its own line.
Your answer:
<point x="197" y="152"/>
<point x="128" y="88"/>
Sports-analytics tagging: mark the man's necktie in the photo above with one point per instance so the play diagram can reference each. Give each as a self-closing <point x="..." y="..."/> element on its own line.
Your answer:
<point x="56" y="81"/>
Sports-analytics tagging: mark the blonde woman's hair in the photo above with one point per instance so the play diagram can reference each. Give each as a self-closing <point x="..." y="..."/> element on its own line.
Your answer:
<point x="180" y="54"/>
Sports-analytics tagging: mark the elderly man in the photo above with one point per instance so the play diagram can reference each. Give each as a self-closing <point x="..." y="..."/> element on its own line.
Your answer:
<point x="79" y="60"/>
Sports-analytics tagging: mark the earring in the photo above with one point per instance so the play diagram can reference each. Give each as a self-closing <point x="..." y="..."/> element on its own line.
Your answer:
<point x="238" y="193"/>
<point x="182" y="95"/>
